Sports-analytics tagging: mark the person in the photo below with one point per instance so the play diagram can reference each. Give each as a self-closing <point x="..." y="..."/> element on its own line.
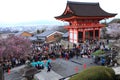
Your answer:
<point x="103" y="61"/>
<point x="107" y="41"/>
<point x="48" y="67"/>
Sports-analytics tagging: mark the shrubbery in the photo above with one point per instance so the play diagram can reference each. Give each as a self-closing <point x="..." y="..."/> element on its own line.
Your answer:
<point x="95" y="73"/>
<point x="98" y="52"/>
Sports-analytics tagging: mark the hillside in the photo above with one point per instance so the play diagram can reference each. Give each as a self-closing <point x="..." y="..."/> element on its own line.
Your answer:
<point x="117" y="20"/>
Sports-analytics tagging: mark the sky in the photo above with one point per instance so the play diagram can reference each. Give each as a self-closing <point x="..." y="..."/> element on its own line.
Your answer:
<point x="28" y="11"/>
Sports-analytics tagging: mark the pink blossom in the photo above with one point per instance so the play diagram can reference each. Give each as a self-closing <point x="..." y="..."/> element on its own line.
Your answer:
<point x="15" y="46"/>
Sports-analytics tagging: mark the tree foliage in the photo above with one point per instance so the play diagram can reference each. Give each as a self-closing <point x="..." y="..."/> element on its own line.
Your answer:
<point x="98" y="52"/>
<point x="95" y="73"/>
<point x="14" y="46"/>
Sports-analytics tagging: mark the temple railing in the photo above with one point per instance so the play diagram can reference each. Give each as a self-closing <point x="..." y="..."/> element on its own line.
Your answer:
<point x="85" y="26"/>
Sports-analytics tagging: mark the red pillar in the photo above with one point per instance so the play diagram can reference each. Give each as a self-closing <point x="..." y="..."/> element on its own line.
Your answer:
<point x="69" y="35"/>
<point x="99" y="34"/>
<point x="94" y="34"/>
<point x="83" y="35"/>
<point x="88" y="34"/>
<point x="73" y="35"/>
<point x="77" y="36"/>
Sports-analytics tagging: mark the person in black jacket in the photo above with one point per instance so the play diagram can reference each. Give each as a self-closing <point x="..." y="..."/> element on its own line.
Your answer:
<point x="48" y="67"/>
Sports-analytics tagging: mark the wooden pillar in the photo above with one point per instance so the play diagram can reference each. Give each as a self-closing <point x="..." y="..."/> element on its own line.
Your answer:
<point x="69" y="35"/>
<point x="99" y="34"/>
<point x="77" y="36"/>
<point x="73" y="35"/>
<point x="83" y="35"/>
<point x="94" y="34"/>
<point x="88" y="34"/>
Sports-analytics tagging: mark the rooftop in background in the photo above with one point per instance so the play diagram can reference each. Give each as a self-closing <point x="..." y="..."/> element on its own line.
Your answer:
<point x="47" y="33"/>
<point x="65" y="34"/>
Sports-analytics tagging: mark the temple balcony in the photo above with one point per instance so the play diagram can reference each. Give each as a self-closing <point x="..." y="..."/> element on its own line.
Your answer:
<point x="84" y="26"/>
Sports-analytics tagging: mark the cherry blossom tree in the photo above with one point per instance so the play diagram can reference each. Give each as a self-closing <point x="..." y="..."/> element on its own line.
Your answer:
<point x="14" y="46"/>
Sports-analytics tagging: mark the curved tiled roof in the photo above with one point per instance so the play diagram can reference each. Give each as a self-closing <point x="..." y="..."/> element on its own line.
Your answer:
<point x="85" y="9"/>
<point x="65" y="34"/>
<point x="47" y="33"/>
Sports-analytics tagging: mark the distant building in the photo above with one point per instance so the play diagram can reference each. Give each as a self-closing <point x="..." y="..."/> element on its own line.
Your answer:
<point x="5" y="35"/>
<point x="65" y="36"/>
<point x="24" y="34"/>
<point x="49" y="36"/>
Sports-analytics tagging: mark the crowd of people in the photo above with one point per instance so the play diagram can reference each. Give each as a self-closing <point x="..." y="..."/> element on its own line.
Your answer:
<point x="46" y="51"/>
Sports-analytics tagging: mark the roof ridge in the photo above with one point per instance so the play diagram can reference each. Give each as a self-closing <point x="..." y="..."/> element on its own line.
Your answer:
<point x="76" y="2"/>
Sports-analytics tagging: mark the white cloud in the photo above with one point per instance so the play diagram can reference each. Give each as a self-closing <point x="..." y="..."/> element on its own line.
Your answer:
<point x="28" y="10"/>
<point x="12" y="11"/>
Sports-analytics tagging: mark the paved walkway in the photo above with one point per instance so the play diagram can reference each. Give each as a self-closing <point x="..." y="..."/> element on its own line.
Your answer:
<point x="64" y="68"/>
<point x="117" y="70"/>
<point x="69" y="67"/>
<point x="60" y="69"/>
<point x="14" y="74"/>
<point x="44" y="75"/>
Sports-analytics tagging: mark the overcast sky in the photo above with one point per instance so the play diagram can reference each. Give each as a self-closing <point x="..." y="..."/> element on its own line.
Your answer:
<point x="17" y="11"/>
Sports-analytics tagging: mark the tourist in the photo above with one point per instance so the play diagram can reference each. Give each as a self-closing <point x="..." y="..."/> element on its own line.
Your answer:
<point x="48" y="67"/>
<point x="103" y="61"/>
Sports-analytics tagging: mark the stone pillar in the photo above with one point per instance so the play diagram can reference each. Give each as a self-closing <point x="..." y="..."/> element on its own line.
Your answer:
<point x="1" y="73"/>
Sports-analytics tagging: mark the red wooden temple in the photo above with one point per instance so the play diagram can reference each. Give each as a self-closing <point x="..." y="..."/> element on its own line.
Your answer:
<point x="83" y="20"/>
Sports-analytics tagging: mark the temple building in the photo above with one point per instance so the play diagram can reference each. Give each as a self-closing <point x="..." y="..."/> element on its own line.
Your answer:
<point x="83" y="18"/>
